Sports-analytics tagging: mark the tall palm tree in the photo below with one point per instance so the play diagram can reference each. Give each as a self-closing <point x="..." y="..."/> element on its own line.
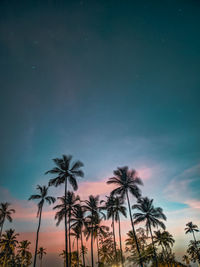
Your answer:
<point x="67" y="205"/>
<point x="92" y="206"/>
<point x="43" y="197"/>
<point x="109" y="207"/>
<point x="8" y="244"/>
<point x="151" y="216"/>
<point x="191" y="228"/>
<point x="76" y="233"/>
<point x="119" y="208"/>
<point x="5" y="213"/>
<point x="78" y="221"/>
<point x="97" y="229"/>
<point x="24" y="252"/>
<point x="66" y="171"/>
<point x="127" y="181"/>
<point x="41" y="252"/>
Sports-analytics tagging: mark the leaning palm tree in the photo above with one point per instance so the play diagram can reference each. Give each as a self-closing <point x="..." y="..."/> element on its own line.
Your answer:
<point x="151" y="216"/>
<point x="191" y="228"/>
<point x="8" y="244"/>
<point x="67" y="205"/>
<point x="127" y="181"/>
<point x="41" y="252"/>
<point x="24" y="252"/>
<point x="66" y="171"/>
<point x="42" y="197"/>
<point x="78" y="221"/>
<point x="5" y="213"/>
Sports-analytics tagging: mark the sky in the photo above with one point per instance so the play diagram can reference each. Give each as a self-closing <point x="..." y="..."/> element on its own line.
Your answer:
<point x="111" y="82"/>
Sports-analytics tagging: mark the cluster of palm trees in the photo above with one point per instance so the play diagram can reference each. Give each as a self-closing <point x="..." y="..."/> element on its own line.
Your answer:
<point x="84" y="221"/>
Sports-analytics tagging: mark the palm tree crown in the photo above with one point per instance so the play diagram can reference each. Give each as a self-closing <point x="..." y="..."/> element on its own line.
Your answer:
<point x="42" y="196"/>
<point x="5" y="213"/>
<point x="190" y="228"/>
<point x="148" y="213"/>
<point x="126" y="180"/>
<point x="66" y="170"/>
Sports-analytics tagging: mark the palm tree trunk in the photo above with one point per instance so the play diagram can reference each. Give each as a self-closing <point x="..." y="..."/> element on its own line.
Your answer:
<point x="98" y="249"/>
<point x="120" y="240"/>
<point x="154" y="251"/>
<point x="133" y="228"/>
<point x="83" y="255"/>
<point x="66" y="233"/>
<point x="92" y="256"/>
<point x="2" y="226"/>
<point x="113" y="226"/>
<point x="37" y="236"/>
<point x="77" y="252"/>
<point x="70" y="251"/>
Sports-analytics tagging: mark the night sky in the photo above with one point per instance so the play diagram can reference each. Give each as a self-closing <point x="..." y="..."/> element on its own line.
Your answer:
<point x="111" y="82"/>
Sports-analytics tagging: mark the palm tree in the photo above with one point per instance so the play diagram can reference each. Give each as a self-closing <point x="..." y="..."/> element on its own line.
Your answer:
<point x="186" y="259"/>
<point x="66" y="171"/>
<point x="193" y="250"/>
<point x="191" y="228"/>
<point x="5" y="213"/>
<point x="76" y="233"/>
<point x="92" y="206"/>
<point x="118" y="209"/>
<point x="43" y="197"/>
<point x="8" y="244"/>
<point x="41" y="252"/>
<point x="97" y="229"/>
<point x="127" y="181"/>
<point x="109" y="207"/>
<point x="78" y="221"/>
<point x="150" y="215"/>
<point x="67" y="205"/>
<point x="24" y="252"/>
<point x="165" y="240"/>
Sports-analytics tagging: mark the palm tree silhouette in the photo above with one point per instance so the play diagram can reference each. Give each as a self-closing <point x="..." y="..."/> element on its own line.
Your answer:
<point x="191" y="228"/>
<point x="165" y="240"/>
<point x="193" y="250"/>
<point x="127" y="181"/>
<point x="92" y="206"/>
<point x="186" y="259"/>
<point x="118" y="209"/>
<point x="78" y="221"/>
<point x="42" y="197"/>
<point x="150" y="215"/>
<point x="5" y="213"/>
<point x="76" y="233"/>
<point x="41" y="252"/>
<point x="67" y="205"/>
<point x="24" y="251"/>
<point x="66" y="171"/>
<point x="98" y="230"/>
<point x="8" y="244"/>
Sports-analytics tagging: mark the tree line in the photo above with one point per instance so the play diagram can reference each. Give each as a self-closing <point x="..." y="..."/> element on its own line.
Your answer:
<point x="84" y="221"/>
